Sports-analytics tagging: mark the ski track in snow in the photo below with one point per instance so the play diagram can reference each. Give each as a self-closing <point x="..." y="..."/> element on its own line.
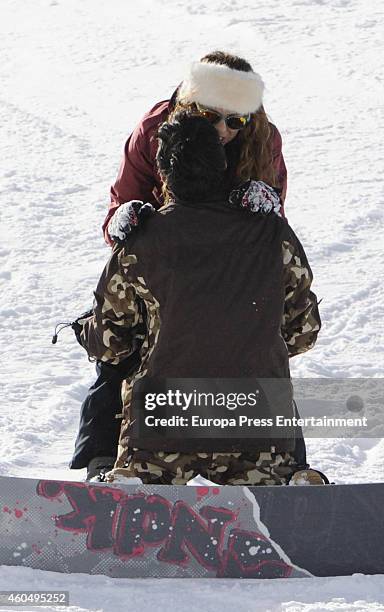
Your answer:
<point x="75" y="78"/>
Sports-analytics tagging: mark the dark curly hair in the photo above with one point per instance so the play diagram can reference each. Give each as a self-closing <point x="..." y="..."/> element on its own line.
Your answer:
<point x="190" y="158"/>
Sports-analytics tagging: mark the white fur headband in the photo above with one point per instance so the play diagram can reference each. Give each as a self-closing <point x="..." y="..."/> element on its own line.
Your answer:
<point x="219" y="86"/>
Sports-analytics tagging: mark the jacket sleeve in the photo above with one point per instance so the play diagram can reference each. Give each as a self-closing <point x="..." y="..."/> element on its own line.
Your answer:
<point x="279" y="164"/>
<point x="115" y="330"/>
<point x="136" y="179"/>
<point x="301" y="319"/>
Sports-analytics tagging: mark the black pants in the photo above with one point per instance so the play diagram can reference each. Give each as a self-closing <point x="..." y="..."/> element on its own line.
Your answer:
<point x="99" y="429"/>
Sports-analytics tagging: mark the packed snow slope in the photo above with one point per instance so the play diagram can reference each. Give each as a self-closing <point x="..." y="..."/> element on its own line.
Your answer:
<point x="75" y="78"/>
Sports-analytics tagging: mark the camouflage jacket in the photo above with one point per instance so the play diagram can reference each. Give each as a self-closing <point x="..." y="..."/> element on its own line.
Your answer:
<point x="204" y="291"/>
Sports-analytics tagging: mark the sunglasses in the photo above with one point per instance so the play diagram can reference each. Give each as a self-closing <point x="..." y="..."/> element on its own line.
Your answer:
<point x="234" y="122"/>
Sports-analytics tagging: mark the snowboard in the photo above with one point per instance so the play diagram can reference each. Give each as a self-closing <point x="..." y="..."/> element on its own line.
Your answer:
<point x="134" y="531"/>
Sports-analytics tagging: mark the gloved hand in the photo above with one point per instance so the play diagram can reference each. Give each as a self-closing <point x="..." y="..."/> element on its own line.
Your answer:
<point x="257" y="196"/>
<point x="127" y="217"/>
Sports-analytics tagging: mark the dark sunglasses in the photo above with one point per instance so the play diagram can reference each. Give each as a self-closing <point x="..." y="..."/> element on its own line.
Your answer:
<point x="234" y="122"/>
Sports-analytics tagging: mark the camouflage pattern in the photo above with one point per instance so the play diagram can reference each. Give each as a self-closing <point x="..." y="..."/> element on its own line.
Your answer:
<point x="246" y="468"/>
<point x="119" y="325"/>
<point x="301" y="320"/>
<point x="110" y="334"/>
<point x="127" y="318"/>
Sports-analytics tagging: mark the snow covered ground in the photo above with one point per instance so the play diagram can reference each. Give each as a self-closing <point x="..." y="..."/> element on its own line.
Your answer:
<point x="75" y="78"/>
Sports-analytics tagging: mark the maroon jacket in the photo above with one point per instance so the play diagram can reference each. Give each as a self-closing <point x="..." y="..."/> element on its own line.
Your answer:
<point x="138" y="177"/>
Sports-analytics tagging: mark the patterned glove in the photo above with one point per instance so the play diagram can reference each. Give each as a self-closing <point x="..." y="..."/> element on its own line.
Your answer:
<point x="126" y="218"/>
<point x="257" y="197"/>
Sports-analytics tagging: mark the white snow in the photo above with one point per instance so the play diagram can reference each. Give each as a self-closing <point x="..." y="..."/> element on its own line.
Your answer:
<point x="200" y="481"/>
<point x="75" y="78"/>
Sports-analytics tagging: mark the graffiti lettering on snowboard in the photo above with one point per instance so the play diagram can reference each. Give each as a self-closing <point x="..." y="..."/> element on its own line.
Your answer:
<point x="130" y="525"/>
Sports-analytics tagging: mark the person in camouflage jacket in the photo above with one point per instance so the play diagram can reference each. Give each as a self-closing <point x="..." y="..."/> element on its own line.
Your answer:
<point x="218" y="81"/>
<point x="206" y="288"/>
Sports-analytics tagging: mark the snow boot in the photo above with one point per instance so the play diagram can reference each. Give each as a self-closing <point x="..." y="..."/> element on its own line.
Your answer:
<point x="98" y="467"/>
<point x="308" y="477"/>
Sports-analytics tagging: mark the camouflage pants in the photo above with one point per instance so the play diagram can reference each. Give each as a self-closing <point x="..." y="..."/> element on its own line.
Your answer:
<point x="246" y="468"/>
